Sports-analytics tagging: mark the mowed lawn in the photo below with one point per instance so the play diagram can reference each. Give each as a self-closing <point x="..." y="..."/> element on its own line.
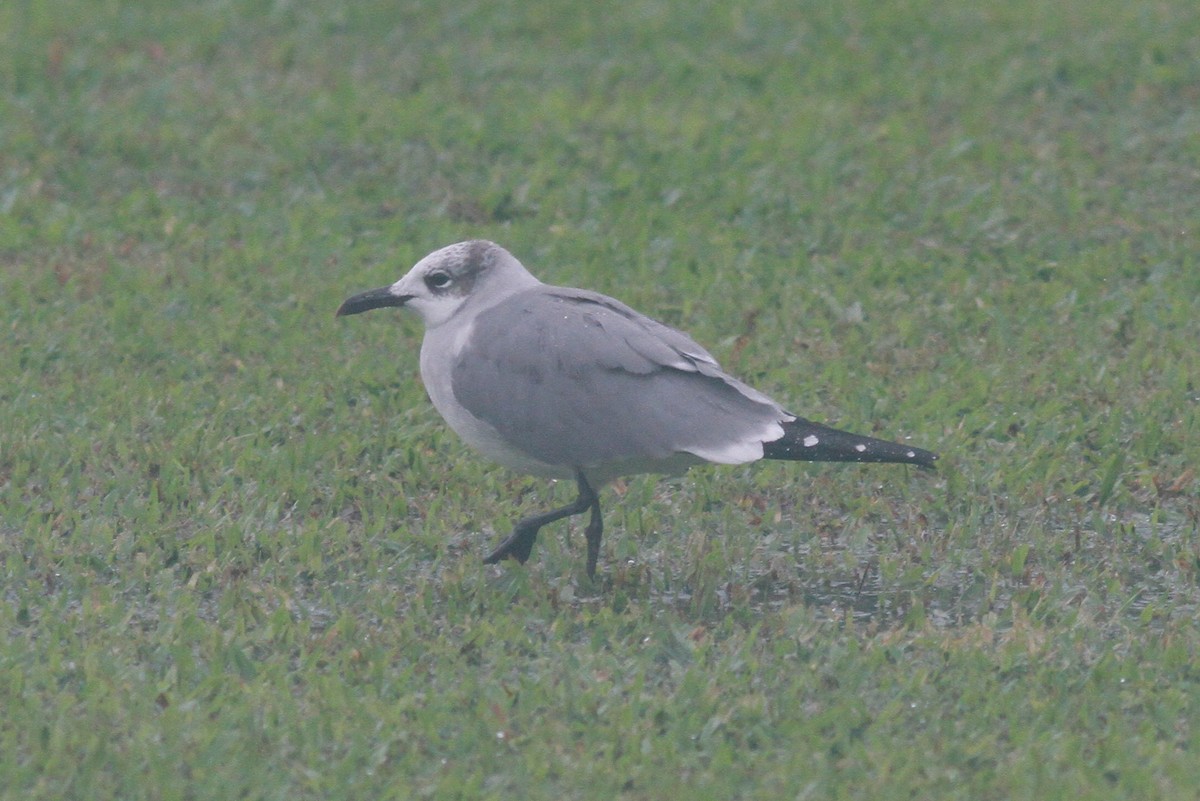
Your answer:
<point x="240" y="553"/>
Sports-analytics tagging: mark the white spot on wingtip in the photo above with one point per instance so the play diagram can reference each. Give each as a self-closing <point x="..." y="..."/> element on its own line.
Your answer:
<point x="911" y="455"/>
<point x="860" y="448"/>
<point x="811" y="440"/>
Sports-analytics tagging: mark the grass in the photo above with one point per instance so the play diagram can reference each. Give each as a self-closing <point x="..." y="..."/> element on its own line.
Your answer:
<point x="240" y="553"/>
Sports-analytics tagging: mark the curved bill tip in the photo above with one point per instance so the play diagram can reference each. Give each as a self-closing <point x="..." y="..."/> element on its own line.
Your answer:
<point x="371" y="299"/>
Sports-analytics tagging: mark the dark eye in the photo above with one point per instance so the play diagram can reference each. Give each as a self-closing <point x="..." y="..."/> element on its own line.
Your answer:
<point x="438" y="280"/>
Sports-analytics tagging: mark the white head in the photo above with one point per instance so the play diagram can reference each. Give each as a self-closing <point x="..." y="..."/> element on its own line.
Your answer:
<point x="477" y="273"/>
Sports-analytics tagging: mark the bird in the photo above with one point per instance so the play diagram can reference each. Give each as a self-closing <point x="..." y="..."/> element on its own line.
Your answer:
<point x="567" y="383"/>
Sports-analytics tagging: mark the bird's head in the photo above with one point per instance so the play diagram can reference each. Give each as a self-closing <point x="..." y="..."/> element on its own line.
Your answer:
<point x="477" y="272"/>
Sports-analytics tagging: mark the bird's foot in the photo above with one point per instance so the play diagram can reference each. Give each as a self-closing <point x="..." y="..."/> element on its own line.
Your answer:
<point x="518" y="545"/>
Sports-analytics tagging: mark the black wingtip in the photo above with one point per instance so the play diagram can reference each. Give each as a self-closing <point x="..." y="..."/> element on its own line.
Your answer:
<point x="806" y="441"/>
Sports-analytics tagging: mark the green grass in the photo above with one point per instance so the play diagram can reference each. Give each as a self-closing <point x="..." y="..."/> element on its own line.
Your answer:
<point x="240" y="553"/>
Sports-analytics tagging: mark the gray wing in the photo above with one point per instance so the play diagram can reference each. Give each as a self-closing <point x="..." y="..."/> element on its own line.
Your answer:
<point x="578" y="379"/>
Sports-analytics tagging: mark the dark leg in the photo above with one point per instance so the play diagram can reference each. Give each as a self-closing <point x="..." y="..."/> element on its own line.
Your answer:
<point x="594" y="530"/>
<point x="519" y="544"/>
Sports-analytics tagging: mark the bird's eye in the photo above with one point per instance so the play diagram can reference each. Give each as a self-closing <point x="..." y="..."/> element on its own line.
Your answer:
<point x="438" y="280"/>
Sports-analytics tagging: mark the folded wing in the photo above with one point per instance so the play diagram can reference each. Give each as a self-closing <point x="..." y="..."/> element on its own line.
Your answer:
<point x="576" y="378"/>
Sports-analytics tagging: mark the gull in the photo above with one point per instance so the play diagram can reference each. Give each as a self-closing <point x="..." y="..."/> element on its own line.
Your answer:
<point x="571" y="384"/>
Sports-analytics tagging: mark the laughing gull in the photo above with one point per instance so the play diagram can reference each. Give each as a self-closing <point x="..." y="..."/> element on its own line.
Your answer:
<point x="567" y="383"/>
